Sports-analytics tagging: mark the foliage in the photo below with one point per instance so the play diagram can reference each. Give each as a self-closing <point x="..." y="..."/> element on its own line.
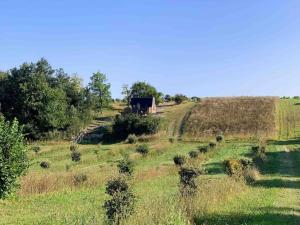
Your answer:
<point x="168" y="98"/>
<point x="134" y="124"/>
<point x="125" y="166"/>
<point x="142" y="149"/>
<point x="180" y="98"/>
<point x="131" y="139"/>
<point x="101" y="90"/>
<point x="73" y="148"/>
<point x="219" y="138"/>
<point x="143" y="89"/>
<point x="126" y="92"/>
<point x="13" y="159"/>
<point x="44" y="100"/>
<point x="193" y="154"/>
<point x="179" y="160"/>
<point x="188" y="185"/>
<point x="203" y="149"/>
<point x="212" y="144"/>
<point x="45" y="165"/>
<point x="75" y="156"/>
<point x="233" y="167"/>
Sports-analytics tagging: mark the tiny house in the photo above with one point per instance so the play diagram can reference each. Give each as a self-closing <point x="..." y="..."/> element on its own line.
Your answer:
<point x="143" y="106"/>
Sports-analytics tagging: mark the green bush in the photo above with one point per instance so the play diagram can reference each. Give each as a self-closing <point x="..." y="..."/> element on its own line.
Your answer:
<point x="219" y="138"/>
<point x="13" y="156"/>
<point x="36" y="149"/>
<point x="193" y="154"/>
<point x="75" y="156"/>
<point x="212" y="145"/>
<point x="45" y="165"/>
<point x="143" y="149"/>
<point x="188" y="185"/>
<point x="134" y="124"/>
<point x="79" y="179"/>
<point x="203" y="149"/>
<point x="131" y="139"/>
<point x="179" y="160"/>
<point x="125" y="166"/>
<point x="258" y="150"/>
<point x="179" y="98"/>
<point x="233" y="168"/>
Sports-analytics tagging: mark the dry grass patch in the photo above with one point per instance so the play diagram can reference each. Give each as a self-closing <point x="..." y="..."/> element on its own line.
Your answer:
<point x="236" y="116"/>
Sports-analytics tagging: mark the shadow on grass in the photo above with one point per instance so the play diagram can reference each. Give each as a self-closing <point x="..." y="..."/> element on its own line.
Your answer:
<point x="277" y="183"/>
<point x="214" y="168"/>
<point x="285" y="142"/>
<point x="263" y="217"/>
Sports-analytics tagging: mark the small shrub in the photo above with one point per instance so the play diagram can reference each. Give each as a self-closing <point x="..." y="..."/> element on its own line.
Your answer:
<point x="171" y="139"/>
<point x="212" y="145"/>
<point x="79" y="179"/>
<point x="73" y="148"/>
<point x="258" y="150"/>
<point x="131" y="139"/>
<point x="36" y="149"/>
<point x="179" y="98"/>
<point x="179" y="160"/>
<point x="143" y="149"/>
<point x="125" y="166"/>
<point x="188" y="185"/>
<point x="76" y="156"/>
<point x="203" y="149"/>
<point x="219" y="138"/>
<point x="233" y="168"/>
<point x="116" y="185"/>
<point x="193" y="154"/>
<point x="45" y="165"/>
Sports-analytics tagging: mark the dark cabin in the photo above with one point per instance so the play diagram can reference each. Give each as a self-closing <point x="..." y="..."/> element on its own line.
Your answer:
<point x="143" y="105"/>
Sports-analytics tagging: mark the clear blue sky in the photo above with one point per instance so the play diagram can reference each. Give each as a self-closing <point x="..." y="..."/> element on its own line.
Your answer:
<point x="195" y="47"/>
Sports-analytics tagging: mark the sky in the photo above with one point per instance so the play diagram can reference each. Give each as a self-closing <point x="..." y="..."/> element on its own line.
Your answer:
<point x="195" y="47"/>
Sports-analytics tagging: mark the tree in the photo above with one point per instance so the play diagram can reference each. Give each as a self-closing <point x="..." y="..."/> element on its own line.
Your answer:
<point x="101" y="90"/>
<point x="126" y="92"/>
<point x="143" y="89"/>
<point x="179" y="98"/>
<point x="13" y="159"/>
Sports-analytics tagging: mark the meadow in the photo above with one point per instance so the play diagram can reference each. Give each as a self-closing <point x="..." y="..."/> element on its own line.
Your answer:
<point x="55" y="196"/>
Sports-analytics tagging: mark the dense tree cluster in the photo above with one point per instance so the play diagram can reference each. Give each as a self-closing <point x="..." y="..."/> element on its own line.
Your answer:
<point x="47" y="101"/>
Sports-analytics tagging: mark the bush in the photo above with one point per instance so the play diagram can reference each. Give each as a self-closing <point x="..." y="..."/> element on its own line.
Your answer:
<point x="203" y="149"/>
<point x="76" y="156"/>
<point x="187" y="181"/>
<point x="179" y="98"/>
<point x="193" y="154"/>
<point x="36" y="149"/>
<point x="131" y="139"/>
<point x="121" y="205"/>
<point x="171" y="139"/>
<point x="73" y="148"/>
<point x="125" y="166"/>
<point x="212" y="145"/>
<point x="79" y="179"/>
<point x="251" y="174"/>
<point x="241" y="169"/>
<point x="13" y="156"/>
<point x="233" y="168"/>
<point x="134" y="124"/>
<point x="179" y="160"/>
<point x="219" y="138"/>
<point x="258" y="150"/>
<point x="143" y="149"/>
<point x="45" y="165"/>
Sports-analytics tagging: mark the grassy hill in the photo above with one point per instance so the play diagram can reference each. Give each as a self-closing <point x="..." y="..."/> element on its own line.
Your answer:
<point x="52" y="196"/>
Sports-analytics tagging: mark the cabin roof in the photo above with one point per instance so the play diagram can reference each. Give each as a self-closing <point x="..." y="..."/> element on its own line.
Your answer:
<point x="143" y="102"/>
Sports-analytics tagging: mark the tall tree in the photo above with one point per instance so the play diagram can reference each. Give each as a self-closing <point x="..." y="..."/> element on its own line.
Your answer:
<point x="126" y="92"/>
<point x="143" y="89"/>
<point x="101" y="89"/>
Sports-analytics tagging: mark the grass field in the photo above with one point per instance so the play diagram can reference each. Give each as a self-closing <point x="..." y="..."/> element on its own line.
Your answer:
<point x="50" y="196"/>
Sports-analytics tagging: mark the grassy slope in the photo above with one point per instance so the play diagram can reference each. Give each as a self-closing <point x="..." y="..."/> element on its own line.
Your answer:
<point x="271" y="201"/>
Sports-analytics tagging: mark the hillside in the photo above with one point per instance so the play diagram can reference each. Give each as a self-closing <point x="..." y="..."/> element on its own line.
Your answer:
<point x="236" y="116"/>
<point x="53" y="196"/>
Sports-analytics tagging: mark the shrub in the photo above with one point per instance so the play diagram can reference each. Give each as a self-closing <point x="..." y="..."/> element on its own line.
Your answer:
<point x="76" y="156"/>
<point x="125" y="166"/>
<point x="131" y="139"/>
<point x="258" y="150"/>
<point x="171" y="139"/>
<point x="233" y="168"/>
<point x="203" y="149"/>
<point x="36" y="149"/>
<point x="45" y="165"/>
<point x="121" y="205"/>
<point x="179" y="98"/>
<point x="79" y="179"/>
<point x="73" y="148"/>
<point x="134" y="124"/>
<point x="187" y="181"/>
<point x="13" y="157"/>
<point x="219" y="138"/>
<point x="179" y="160"/>
<point x="143" y="149"/>
<point x="212" y="145"/>
<point x="193" y="154"/>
